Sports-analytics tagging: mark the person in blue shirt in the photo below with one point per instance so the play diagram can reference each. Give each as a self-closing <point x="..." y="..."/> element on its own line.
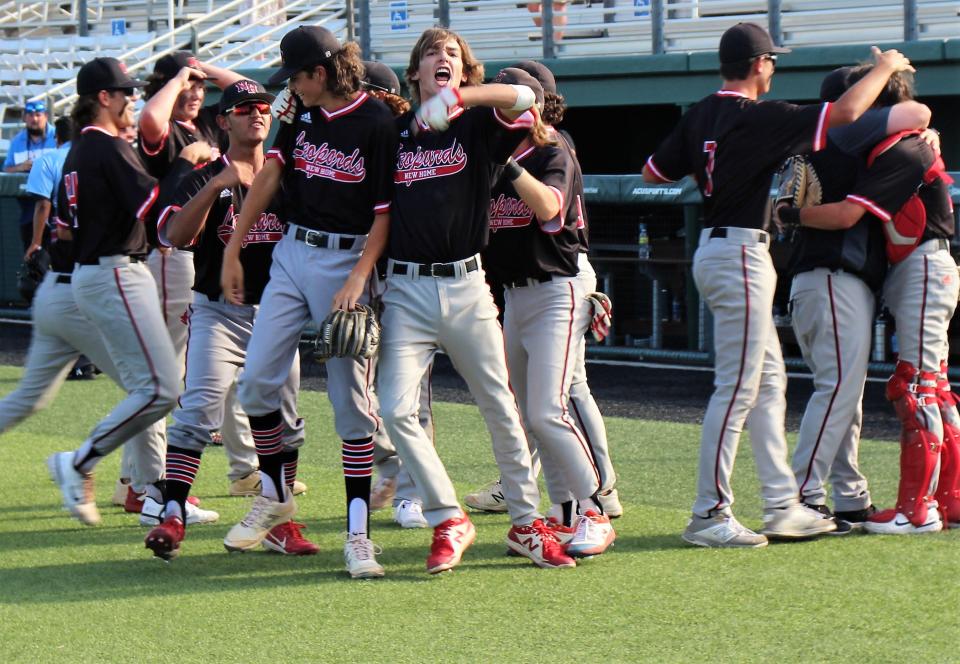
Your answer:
<point x="26" y="147"/>
<point x="42" y="185"/>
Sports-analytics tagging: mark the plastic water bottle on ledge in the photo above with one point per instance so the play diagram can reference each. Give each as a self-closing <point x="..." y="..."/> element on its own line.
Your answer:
<point x="643" y="243"/>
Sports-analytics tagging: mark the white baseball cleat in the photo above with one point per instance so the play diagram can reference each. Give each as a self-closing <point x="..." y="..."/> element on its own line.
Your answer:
<point x="152" y="514"/>
<point x="359" y="553"/>
<point x="892" y="522"/>
<point x="796" y="522"/>
<point x="409" y="514"/>
<point x="75" y="487"/>
<point x="488" y="499"/>
<point x="593" y="535"/>
<point x="721" y="531"/>
<point x="264" y="514"/>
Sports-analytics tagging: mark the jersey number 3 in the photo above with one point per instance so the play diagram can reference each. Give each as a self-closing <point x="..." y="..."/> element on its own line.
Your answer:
<point x="710" y="148"/>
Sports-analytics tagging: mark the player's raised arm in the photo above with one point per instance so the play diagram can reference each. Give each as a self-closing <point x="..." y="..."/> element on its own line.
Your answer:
<point x="264" y="186"/>
<point x="855" y="101"/>
<point x="156" y="113"/>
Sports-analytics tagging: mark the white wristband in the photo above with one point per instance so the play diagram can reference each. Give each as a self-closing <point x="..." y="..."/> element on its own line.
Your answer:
<point x="525" y="98"/>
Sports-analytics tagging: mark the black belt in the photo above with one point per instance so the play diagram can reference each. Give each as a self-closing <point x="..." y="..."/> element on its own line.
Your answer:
<point x="323" y="240"/>
<point x="64" y="278"/>
<point x="96" y="261"/>
<point x="528" y="281"/>
<point x="721" y="232"/>
<point x="435" y="269"/>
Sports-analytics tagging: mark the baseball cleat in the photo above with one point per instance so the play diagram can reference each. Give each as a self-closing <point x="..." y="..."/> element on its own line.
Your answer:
<point x="592" y="536"/>
<point x="563" y="533"/>
<point x="359" y="554"/>
<point x="409" y="514"/>
<point x="857" y="517"/>
<point x="152" y="513"/>
<point x="796" y="522"/>
<point x="538" y="543"/>
<point x="288" y="540"/>
<point x="721" y="531"/>
<point x="843" y="527"/>
<point x="892" y="522"/>
<point x="264" y="514"/>
<point x="383" y="492"/>
<point x="75" y="487"/>
<point x="610" y="502"/>
<point x="164" y="540"/>
<point x="133" y="502"/>
<point x="488" y="499"/>
<point x="450" y="539"/>
<point x="249" y="486"/>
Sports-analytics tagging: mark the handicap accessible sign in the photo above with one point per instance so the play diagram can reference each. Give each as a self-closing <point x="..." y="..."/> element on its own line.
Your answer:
<point x="398" y="15"/>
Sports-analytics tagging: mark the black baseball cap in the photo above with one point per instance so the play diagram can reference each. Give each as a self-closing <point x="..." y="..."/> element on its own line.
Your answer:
<point x="540" y="72"/>
<point x="379" y="76"/>
<point x="303" y="48"/>
<point x="745" y="41"/>
<point x="241" y="92"/>
<point x="105" y="74"/>
<point x="514" y="76"/>
<point x="835" y="84"/>
<point x="170" y="65"/>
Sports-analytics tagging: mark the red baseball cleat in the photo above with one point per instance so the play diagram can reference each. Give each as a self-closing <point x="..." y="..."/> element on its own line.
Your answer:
<point x="134" y="502"/>
<point x="450" y="539"/>
<point x="538" y="543"/>
<point x="164" y="540"/>
<point x="563" y="533"/>
<point x="287" y="539"/>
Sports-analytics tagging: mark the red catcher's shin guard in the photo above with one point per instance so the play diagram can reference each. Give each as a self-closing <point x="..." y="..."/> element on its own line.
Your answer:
<point x="948" y="484"/>
<point x="910" y="390"/>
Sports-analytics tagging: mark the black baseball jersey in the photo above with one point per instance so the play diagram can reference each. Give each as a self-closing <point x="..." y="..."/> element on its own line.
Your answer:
<point x="894" y="174"/>
<point x="521" y="245"/>
<point x="257" y="250"/>
<point x="104" y="195"/>
<point x="338" y="167"/>
<point x="733" y="145"/>
<point x="441" y="200"/>
<point x="159" y="158"/>
<point x="584" y="230"/>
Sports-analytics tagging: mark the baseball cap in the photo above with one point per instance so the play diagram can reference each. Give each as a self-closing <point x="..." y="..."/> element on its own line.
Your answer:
<point x="302" y="48"/>
<point x="540" y="72"/>
<point x="380" y="77"/>
<point x="242" y="91"/>
<point x="514" y="76"/>
<point x="745" y="41"/>
<point x="835" y="84"/>
<point x="38" y="106"/>
<point x="105" y="74"/>
<point x="170" y="65"/>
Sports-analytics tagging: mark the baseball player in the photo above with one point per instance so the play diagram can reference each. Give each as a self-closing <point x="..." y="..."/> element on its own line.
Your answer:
<point x="176" y="134"/>
<point x="835" y="275"/>
<point x="533" y="251"/>
<point x="394" y="484"/>
<point x="436" y="295"/>
<point x="333" y="156"/>
<point x="905" y="188"/>
<point x="582" y="406"/>
<point x="203" y="214"/>
<point x="732" y="143"/>
<point x="106" y="194"/>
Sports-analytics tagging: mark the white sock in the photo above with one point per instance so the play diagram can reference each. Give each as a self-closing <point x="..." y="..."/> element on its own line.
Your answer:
<point x="587" y="504"/>
<point x="268" y="488"/>
<point x="357" y="517"/>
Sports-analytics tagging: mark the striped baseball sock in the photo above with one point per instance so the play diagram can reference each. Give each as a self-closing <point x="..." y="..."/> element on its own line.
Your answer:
<point x="357" y="471"/>
<point x="182" y="466"/>
<point x="289" y="465"/>
<point x="267" y="433"/>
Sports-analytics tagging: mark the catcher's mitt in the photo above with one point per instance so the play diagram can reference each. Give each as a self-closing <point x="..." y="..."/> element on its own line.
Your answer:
<point x="31" y="274"/>
<point x="602" y="315"/>
<point x="799" y="186"/>
<point x="349" y="334"/>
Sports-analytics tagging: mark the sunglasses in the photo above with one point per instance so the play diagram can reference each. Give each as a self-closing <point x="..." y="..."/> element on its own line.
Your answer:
<point x="35" y="108"/>
<point x="126" y="92"/>
<point x="772" y="57"/>
<point x="247" y="109"/>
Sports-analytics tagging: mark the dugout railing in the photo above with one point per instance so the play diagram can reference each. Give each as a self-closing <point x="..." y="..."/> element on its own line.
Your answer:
<point x="658" y="314"/>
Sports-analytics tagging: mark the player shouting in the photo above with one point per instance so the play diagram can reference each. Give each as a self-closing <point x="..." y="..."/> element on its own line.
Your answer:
<point x="732" y="143"/>
<point x="333" y="157"/>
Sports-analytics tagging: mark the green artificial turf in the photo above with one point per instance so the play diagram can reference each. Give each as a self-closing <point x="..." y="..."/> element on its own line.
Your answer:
<point x="75" y="594"/>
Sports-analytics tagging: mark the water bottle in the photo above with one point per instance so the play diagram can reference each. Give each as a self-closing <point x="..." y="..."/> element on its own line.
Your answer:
<point x="643" y="243"/>
<point x="880" y="338"/>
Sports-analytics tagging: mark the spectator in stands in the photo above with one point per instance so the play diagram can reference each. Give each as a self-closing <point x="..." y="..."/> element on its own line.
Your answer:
<point x="42" y="184"/>
<point x="559" y="16"/>
<point x="35" y="139"/>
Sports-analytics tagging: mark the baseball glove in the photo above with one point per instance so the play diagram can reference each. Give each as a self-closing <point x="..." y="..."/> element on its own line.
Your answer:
<point x="31" y="274"/>
<point x="799" y="186"/>
<point x="284" y="106"/>
<point x="602" y="315"/>
<point x="349" y="334"/>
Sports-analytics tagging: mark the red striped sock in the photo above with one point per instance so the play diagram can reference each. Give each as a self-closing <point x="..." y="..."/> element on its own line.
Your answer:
<point x="357" y="470"/>
<point x="181" y="471"/>
<point x="267" y="433"/>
